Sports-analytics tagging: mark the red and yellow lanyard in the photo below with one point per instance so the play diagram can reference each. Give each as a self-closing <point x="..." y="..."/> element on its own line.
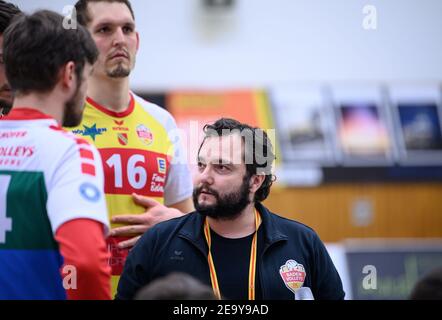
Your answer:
<point x="252" y="264"/>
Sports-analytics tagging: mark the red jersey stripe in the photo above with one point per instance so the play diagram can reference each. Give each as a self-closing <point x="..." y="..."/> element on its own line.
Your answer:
<point x="88" y="168"/>
<point x="81" y="141"/>
<point x="86" y="154"/>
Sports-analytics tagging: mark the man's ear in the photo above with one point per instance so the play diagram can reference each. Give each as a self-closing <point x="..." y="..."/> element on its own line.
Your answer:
<point x="138" y="41"/>
<point x="68" y="75"/>
<point x="256" y="182"/>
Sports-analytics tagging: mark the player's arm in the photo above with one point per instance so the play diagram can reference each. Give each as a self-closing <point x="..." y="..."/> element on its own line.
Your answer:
<point x="85" y="270"/>
<point x="78" y="215"/>
<point x="137" y="224"/>
<point x="180" y="187"/>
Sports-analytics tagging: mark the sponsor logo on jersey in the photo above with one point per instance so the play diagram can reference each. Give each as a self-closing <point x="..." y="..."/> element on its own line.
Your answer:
<point x="120" y="126"/>
<point x="10" y="162"/>
<point x="14" y="155"/>
<point x="144" y="134"/>
<point x="17" y="151"/>
<point x="157" y="183"/>
<point x="91" y="131"/>
<point x="122" y="138"/>
<point x="13" y="134"/>
<point x="293" y="274"/>
<point x="161" y="165"/>
<point x="90" y="192"/>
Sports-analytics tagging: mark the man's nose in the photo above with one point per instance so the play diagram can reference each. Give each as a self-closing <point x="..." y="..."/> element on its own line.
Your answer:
<point x="119" y="37"/>
<point x="205" y="176"/>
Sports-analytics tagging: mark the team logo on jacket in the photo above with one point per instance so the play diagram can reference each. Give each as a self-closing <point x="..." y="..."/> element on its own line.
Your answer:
<point x="144" y="134"/>
<point x="293" y="274"/>
<point x="122" y="138"/>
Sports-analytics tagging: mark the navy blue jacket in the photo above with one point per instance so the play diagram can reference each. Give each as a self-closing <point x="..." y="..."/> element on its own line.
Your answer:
<point x="179" y="245"/>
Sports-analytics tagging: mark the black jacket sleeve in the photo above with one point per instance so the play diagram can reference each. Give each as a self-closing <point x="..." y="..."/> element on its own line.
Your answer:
<point x="328" y="283"/>
<point x="136" y="269"/>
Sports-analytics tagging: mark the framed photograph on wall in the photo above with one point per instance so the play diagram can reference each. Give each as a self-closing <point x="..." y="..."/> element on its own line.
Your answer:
<point x="417" y="121"/>
<point x="302" y="124"/>
<point x="304" y="131"/>
<point x="363" y="126"/>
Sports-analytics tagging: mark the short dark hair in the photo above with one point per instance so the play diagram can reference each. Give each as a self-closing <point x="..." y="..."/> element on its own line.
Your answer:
<point x="176" y="286"/>
<point x="255" y="140"/>
<point x="429" y="287"/>
<point x="36" y="47"/>
<point x="7" y="12"/>
<point x="83" y="17"/>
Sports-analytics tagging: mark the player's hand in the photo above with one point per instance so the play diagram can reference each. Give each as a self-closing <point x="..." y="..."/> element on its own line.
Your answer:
<point x="137" y="224"/>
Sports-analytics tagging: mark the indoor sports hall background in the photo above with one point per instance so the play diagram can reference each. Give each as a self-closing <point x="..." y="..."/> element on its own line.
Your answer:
<point x="352" y="91"/>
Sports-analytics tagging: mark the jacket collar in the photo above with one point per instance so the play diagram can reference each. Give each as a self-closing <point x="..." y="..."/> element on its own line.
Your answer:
<point x="272" y="231"/>
<point x="193" y="228"/>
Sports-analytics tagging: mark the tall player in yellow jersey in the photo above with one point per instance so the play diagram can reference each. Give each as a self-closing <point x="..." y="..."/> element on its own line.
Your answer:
<point x="146" y="179"/>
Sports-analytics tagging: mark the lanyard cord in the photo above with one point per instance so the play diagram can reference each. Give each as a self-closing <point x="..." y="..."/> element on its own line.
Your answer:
<point x="252" y="264"/>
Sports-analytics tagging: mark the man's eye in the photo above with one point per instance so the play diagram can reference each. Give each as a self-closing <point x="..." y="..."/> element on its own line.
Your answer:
<point x="103" y="30"/>
<point x="222" y="168"/>
<point x="128" y="29"/>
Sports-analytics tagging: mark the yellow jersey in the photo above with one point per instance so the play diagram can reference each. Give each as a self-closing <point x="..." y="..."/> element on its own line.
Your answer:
<point x="141" y="153"/>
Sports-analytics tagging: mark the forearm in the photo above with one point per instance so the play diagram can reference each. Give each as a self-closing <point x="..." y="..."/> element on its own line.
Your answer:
<point x="83" y="248"/>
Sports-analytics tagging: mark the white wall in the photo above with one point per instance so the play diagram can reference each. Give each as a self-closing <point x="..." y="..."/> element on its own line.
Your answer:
<point x="266" y="42"/>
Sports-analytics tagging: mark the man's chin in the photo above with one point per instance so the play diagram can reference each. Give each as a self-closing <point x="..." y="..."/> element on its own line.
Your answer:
<point x="120" y="71"/>
<point x="5" y="106"/>
<point x="205" y="206"/>
<point x="206" y="210"/>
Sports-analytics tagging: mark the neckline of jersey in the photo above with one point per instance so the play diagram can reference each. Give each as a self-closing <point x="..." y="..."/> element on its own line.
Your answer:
<point x="111" y="113"/>
<point x="27" y="113"/>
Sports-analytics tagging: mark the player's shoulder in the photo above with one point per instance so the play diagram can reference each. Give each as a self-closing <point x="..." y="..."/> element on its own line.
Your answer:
<point x="59" y="142"/>
<point x="160" y="114"/>
<point x="62" y="136"/>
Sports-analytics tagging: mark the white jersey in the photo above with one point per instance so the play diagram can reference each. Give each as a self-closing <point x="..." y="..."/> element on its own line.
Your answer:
<point x="38" y="157"/>
<point x="47" y="178"/>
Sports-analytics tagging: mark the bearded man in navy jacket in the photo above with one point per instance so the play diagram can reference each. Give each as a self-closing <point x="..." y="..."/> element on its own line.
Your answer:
<point x="232" y="242"/>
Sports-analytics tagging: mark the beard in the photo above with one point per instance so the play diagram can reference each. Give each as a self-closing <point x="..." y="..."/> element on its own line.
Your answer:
<point x="119" y="72"/>
<point x="5" y="103"/>
<point x="73" y="114"/>
<point x="122" y="69"/>
<point x="5" y="107"/>
<point x="227" y="206"/>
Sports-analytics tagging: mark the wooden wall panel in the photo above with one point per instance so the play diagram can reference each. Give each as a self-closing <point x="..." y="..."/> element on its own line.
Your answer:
<point x="400" y="210"/>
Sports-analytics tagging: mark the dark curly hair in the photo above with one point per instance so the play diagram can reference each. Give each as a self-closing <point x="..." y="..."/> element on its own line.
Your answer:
<point x="258" y="151"/>
<point x="7" y="12"/>
<point x="83" y="16"/>
<point x="36" y="46"/>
